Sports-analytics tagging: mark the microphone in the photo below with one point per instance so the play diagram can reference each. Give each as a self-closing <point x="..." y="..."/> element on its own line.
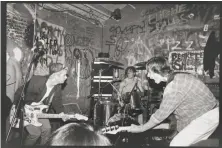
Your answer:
<point x="37" y="53"/>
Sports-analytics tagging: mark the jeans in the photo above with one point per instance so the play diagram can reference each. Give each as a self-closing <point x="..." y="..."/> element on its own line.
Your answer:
<point x="199" y="129"/>
<point x="34" y="133"/>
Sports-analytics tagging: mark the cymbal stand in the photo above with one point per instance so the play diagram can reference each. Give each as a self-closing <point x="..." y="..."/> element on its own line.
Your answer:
<point x="99" y="97"/>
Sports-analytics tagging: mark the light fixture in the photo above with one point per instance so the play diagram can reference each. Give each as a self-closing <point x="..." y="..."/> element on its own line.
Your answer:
<point x="116" y="14"/>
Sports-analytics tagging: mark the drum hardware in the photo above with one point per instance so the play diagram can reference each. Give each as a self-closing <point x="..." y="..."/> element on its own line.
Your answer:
<point x="105" y="106"/>
<point x="134" y="101"/>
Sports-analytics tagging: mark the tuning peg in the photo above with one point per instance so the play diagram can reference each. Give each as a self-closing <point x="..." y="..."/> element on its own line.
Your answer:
<point x="116" y="127"/>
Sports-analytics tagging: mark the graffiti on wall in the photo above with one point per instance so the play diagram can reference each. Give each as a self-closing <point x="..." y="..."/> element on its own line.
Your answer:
<point x="16" y="25"/>
<point x="15" y="29"/>
<point x="52" y="38"/>
<point x="165" y="29"/>
<point x="80" y="50"/>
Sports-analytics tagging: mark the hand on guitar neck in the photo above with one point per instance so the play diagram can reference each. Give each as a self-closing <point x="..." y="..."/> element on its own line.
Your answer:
<point x="33" y="113"/>
<point x="116" y="129"/>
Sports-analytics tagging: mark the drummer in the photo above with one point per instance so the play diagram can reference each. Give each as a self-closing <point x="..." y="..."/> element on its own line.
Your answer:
<point x="128" y="84"/>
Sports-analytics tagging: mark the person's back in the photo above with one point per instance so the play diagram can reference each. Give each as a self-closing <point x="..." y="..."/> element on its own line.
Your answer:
<point x="196" y="98"/>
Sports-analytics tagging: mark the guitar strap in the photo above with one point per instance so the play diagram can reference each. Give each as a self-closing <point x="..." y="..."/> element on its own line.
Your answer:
<point x="48" y="100"/>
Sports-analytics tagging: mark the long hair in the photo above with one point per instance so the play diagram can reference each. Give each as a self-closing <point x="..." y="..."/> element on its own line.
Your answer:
<point x="159" y="65"/>
<point x="130" y="68"/>
<point x="55" y="67"/>
<point x="77" y="134"/>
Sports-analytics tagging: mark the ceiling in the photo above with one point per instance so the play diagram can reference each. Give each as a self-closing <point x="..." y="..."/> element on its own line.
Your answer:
<point x="93" y="13"/>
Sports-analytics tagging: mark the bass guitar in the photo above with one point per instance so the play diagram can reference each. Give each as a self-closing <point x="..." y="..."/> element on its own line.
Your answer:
<point x="116" y="129"/>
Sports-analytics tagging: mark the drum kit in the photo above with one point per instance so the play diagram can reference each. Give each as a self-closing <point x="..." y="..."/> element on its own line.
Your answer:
<point x="106" y="107"/>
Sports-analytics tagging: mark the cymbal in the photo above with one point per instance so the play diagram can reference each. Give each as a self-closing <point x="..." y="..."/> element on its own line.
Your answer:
<point x="116" y="67"/>
<point x="141" y="64"/>
<point x="114" y="63"/>
<point x="141" y="68"/>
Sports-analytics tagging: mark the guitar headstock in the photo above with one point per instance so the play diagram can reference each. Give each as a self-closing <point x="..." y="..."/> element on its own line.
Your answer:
<point x="114" y="129"/>
<point x="66" y="117"/>
<point x="80" y="117"/>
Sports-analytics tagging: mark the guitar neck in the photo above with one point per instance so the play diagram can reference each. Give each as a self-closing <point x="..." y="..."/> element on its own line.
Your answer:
<point x="50" y="116"/>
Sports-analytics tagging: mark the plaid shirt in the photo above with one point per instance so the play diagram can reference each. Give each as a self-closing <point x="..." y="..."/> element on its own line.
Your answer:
<point x="187" y="97"/>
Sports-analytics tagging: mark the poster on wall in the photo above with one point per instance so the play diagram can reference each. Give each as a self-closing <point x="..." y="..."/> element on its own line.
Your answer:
<point x="52" y="38"/>
<point x="192" y="62"/>
<point x="187" y="61"/>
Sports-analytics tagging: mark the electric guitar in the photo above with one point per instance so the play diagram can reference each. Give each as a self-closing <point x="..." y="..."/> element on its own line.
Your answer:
<point x="116" y="129"/>
<point x="33" y="113"/>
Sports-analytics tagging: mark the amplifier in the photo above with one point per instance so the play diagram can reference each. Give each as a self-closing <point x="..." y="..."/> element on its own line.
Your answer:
<point x="106" y="87"/>
<point x="107" y="70"/>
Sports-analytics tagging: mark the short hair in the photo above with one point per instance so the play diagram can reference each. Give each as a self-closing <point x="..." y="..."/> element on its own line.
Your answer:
<point x="77" y="134"/>
<point x="130" y="68"/>
<point x="159" y="65"/>
<point x="55" y="67"/>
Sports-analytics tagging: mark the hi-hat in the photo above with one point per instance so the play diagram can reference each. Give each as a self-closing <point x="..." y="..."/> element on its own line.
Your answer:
<point x="112" y="63"/>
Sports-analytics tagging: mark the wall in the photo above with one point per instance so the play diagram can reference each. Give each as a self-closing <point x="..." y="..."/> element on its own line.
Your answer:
<point x="62" y="35"/>
<point x="176" y="31"/>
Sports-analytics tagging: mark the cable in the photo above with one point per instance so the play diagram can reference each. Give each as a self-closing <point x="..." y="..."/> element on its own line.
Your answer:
<point x="77" y="14"/>
<point x="11" y="83"/>
<point x="9" y="77"/>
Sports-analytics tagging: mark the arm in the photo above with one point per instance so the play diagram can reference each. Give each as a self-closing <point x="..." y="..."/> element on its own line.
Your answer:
<point x="139" y="84"/>
<point x="171" y="100"/>
<point x="120" y="93"/>
<point x="57" y="101"/>
<point x="121" y="89"/>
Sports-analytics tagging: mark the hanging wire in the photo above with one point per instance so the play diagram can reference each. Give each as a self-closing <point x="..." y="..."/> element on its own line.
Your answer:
<point x="66" y="10"/>
<point x="100" y="24"/>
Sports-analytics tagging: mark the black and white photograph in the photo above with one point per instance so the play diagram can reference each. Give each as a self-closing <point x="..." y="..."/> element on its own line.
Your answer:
<point x="109" y="73"/>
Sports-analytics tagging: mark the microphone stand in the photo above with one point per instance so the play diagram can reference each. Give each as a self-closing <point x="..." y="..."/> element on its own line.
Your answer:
<point x="20" y="105"/>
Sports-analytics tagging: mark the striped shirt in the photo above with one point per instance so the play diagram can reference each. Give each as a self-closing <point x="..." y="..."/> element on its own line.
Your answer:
<point x="187" y="97"/>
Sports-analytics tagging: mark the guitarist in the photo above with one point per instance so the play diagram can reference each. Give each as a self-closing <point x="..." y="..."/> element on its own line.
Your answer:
<point x="44" y="90"/>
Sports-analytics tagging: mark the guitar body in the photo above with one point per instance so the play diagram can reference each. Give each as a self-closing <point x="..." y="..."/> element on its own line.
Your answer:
<point x="30" y="115"/>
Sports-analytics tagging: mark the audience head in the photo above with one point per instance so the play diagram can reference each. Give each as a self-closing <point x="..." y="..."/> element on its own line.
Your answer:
<point x="158" y="69"/>
<point x="77" y="134"/>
